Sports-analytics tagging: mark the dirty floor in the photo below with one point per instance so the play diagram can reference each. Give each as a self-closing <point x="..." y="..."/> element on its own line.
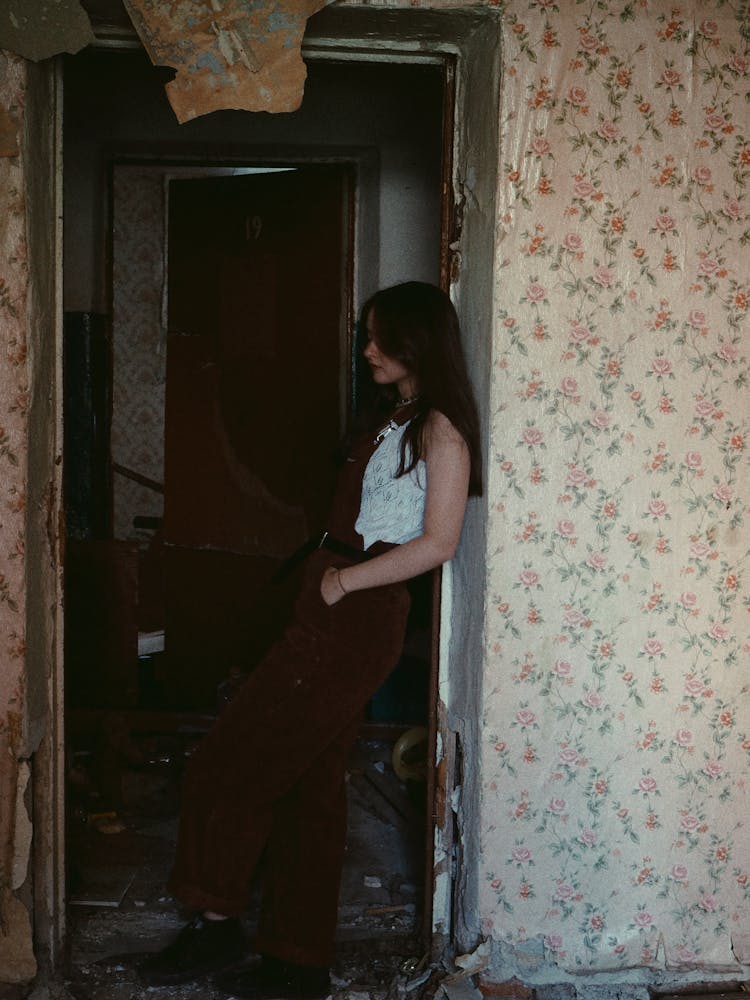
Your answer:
<point x="119" y="860"/>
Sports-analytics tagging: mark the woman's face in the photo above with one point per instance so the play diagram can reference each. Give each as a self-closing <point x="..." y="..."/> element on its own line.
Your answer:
<point x="385" y="369"/>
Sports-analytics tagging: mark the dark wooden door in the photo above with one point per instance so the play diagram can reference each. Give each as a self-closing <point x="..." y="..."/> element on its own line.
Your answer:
<point x="257" y="382"/>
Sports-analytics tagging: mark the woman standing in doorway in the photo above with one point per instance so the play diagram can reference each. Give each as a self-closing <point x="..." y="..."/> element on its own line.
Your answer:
<point x="269" y="776"/>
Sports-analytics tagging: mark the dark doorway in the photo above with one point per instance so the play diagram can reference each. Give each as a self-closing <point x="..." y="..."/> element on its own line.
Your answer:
<point x="226" y="439"/>
<point x="256" y="375"/>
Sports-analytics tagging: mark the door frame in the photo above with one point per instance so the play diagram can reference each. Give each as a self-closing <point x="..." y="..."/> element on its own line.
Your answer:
<point x="174" y="166"/>
<point x="469" y="37"/>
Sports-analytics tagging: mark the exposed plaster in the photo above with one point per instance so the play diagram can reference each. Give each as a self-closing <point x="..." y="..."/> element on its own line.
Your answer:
<point x="529" y="963"/>
<point x="237" y="54"/>
<point x="741" y="946"/>
<point x="23" y="829"/>
<point x="39" y="29"/>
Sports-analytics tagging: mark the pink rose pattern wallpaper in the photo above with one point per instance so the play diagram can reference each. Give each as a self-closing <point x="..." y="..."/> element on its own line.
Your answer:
<point x="14" y="395"/>
<point x="616" y="758"/>
<point x="13" y="432"/>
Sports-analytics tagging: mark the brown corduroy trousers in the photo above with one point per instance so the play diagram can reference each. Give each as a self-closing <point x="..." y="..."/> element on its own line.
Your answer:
<point x="270" y="773"/>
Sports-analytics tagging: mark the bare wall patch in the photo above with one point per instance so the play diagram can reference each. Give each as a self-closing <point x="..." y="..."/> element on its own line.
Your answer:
<point x="39" y="29"/>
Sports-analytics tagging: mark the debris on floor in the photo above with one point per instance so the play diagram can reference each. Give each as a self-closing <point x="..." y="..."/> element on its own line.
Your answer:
<point x="119" y="861"/>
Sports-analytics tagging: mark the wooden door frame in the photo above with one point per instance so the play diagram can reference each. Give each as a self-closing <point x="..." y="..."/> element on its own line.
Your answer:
<point x="44" y="528"/>
<point x="469" y="36"/>
<point x="466" y="39"/>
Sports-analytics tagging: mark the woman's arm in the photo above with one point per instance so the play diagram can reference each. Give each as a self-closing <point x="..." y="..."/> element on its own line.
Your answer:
<point x="447" y="462"/>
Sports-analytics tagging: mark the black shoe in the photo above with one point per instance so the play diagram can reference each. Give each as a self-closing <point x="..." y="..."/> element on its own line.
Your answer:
<point x="274" y="979"/>
<point x="202" y="948"/>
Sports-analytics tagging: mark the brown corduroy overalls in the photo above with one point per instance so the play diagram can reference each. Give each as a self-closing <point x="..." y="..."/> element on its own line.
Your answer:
<point x="270" y="773"/>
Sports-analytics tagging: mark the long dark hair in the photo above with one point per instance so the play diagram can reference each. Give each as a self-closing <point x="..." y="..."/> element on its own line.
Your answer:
<point x="416" y="324"/>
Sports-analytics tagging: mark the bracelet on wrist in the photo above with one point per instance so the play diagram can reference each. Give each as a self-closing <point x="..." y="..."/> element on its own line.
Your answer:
<point x="338" y="577"/>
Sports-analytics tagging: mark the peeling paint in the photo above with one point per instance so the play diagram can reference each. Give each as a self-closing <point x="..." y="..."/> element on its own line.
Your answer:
<point x="476" y="961"/>
<point x="23" y="830"/>
<point x="741" y="946"/>
<point x="40" y="29"/>
<point x="242" y="54"/>
<point x="442" y="894"/>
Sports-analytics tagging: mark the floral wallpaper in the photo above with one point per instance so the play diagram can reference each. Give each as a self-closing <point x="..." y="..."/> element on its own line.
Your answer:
<point x="138" y="341"/>
<point x="13" y="444"/>
<point x="616" y="730"/>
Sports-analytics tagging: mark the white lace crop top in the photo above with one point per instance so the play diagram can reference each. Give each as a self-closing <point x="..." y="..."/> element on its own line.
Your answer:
<point x="392" y="507"/>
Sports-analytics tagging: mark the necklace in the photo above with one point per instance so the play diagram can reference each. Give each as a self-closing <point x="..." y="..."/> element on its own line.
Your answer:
<point x="405" y="400"/>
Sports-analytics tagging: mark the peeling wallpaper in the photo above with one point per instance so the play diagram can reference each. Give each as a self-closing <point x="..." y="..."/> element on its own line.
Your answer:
<point x="238" y="53"/>
<point x="616" y="725"/>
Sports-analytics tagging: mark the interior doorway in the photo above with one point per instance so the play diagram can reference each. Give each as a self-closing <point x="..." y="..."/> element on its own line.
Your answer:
<point x="162" y="538"/>
<point x="258" y="349"/>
